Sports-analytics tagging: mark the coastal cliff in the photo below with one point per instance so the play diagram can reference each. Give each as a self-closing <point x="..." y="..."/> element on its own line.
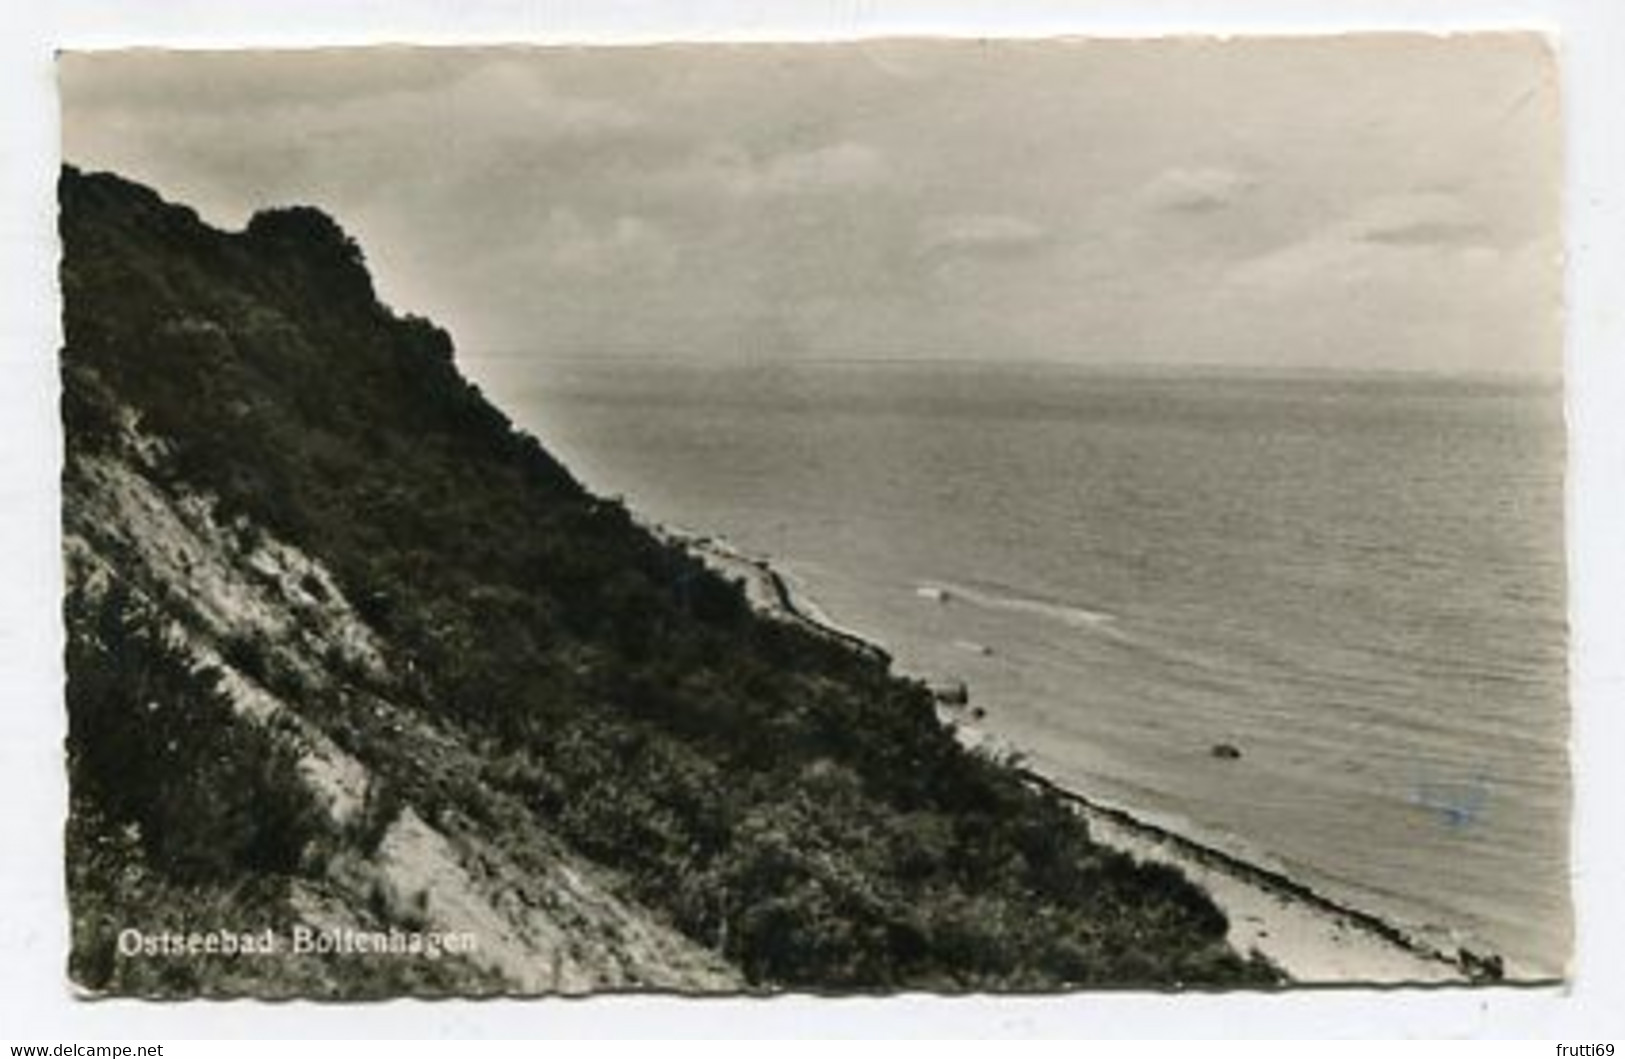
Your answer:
<point x="350" y="657"/>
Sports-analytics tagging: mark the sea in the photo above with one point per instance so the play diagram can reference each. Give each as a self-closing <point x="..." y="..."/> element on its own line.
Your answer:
<point x="1315" y="620"/>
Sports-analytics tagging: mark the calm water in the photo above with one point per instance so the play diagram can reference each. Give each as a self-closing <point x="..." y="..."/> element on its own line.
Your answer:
<point x="1357" y="582"/>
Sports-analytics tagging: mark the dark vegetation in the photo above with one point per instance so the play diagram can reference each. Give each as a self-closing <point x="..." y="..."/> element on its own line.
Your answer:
<point x="184" y="814"/>
<point x="155" y="746"/>
<point x="773" y="794"/>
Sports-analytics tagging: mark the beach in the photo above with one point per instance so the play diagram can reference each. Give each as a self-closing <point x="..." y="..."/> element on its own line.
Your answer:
<point x="1313" y="939"/>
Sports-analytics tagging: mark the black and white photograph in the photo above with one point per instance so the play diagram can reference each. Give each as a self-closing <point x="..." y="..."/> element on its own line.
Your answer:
<point x="885" y="516"/>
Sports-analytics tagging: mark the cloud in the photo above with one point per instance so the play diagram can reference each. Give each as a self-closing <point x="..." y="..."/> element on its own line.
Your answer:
<point x="1419" y="220"/>
<point x="1392" y="235"/>
<point x="738" y="173"/>
<point x="980" y="234"/>
<point x="1399" y="280"/>
<point x="515" y="91"/>
<point x="1426" y="233"/>
<point x="243" y="80"/>
<point x="1203" y="190"/>
<point x="840" y="165"/>
<point x="1257" y="201"/>
<point x="568" y="243"/>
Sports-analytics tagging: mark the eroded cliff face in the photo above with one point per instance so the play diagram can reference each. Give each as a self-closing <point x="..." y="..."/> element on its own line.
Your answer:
<point x="271" y="628"/>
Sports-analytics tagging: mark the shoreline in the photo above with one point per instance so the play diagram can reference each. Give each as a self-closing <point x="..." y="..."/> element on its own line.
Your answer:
<point x="768" y="591"/>
<point x="1315" y="939"/>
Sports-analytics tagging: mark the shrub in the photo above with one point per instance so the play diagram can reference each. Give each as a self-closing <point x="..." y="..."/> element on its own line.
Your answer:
<point x="156" y="745"/>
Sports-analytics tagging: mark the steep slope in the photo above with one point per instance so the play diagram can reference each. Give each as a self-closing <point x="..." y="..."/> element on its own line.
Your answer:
<point x="273" y="634"/>
<point x="346" y="650"/>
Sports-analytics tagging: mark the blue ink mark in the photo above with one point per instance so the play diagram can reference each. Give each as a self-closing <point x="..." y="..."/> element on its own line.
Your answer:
<point x="1458" y="805"/>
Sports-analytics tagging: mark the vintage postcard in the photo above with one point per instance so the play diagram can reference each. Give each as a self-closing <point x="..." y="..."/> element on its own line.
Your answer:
<point x="892" y="515"/>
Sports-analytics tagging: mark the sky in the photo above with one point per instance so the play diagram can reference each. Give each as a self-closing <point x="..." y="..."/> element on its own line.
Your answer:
<point x="1376" y="202"/>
